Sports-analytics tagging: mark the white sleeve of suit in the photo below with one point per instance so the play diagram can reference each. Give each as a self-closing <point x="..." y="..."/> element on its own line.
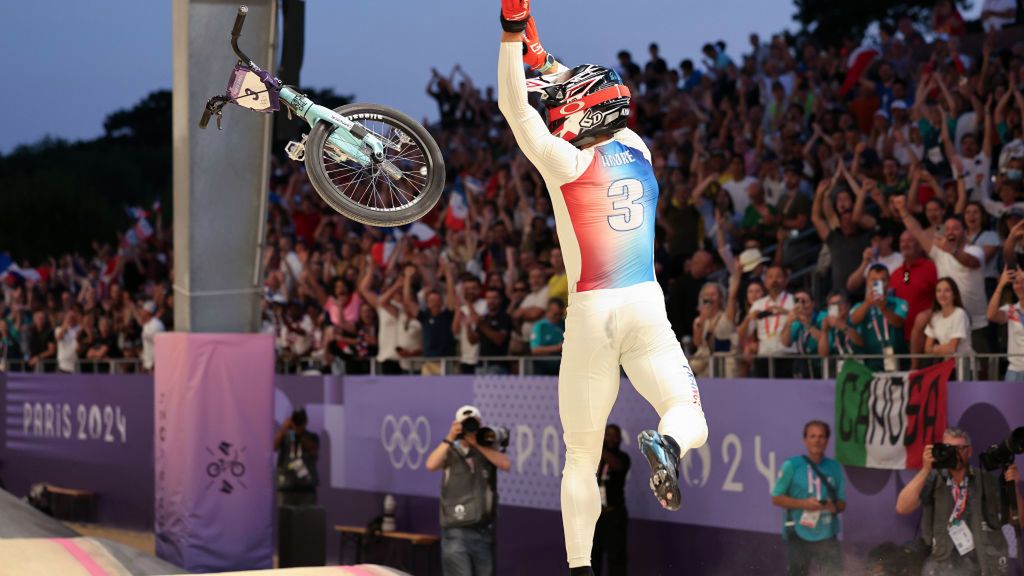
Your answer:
<point x="550" y="154"/>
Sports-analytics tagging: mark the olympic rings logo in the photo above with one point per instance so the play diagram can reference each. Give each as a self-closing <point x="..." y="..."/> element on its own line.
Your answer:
<point x="405" y="440"/>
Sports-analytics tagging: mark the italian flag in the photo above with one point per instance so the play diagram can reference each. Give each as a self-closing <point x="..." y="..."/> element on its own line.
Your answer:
<point x="886" y="420"/>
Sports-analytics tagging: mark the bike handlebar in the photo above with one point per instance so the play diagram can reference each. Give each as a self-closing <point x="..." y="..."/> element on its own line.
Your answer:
<point x="205" y="120"/>
<point x="239" y="20"/>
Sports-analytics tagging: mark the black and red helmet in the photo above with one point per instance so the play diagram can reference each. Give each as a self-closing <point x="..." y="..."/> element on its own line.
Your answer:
<point x="584" y="102"/>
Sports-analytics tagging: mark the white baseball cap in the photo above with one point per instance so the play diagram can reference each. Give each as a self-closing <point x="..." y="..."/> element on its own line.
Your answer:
<point x="467" y="411"/>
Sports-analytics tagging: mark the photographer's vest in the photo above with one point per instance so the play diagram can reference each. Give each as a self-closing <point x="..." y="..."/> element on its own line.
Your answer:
<point x="985" y="516"/>
<point x="468" y="489"/>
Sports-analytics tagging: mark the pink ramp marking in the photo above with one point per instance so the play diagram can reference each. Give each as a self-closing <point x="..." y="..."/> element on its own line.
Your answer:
<point x="357" y="571"/>
<point x="82" y="556"/>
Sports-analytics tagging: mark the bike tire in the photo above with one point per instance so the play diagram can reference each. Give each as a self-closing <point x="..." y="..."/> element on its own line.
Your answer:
<point x="325" y="187"/>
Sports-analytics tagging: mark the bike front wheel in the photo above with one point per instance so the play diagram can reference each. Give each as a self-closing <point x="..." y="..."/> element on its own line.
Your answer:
<point x="398" y="190"/>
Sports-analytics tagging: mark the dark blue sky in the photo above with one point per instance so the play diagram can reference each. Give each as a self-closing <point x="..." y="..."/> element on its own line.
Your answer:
<point x="77" y="61"/>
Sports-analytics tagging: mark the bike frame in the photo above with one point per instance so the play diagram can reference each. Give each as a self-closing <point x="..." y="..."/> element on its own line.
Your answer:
<point x="349" y="138"/>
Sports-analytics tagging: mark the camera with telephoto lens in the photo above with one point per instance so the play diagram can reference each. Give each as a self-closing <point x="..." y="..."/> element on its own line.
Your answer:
<point x="1001" y="455"/>
<point x="486" y="436"/>
<point x="944" y="455"/>
<point x="496" y="437"/>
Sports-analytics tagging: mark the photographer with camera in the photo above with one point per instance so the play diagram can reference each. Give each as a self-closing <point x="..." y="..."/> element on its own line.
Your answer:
<point x="811" y="491"/>
<point x="298" y="450"/>
<point x="964" y="508"/>
<point x="470" y="456"/>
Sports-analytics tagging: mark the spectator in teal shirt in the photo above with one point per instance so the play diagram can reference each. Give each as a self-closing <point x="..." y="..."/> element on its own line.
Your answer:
<point x="811" y="492"/>
<point x="843" y="337"/>
<point x="547" y="337"/>
<point x="802" y="332"/>
<point x="879" y="319"/>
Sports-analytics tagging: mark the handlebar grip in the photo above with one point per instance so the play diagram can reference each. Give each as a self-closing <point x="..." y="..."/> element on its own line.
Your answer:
<point x="205" y="119"/>
<point x="239" y="20"/>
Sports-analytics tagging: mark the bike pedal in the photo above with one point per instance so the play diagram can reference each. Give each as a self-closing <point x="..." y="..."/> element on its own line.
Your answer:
<point x="296" y="150"/>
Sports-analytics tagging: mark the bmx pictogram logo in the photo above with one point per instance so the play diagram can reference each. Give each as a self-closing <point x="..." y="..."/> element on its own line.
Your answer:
<point x="405" y="440"/>
<point x="226" y="467"/>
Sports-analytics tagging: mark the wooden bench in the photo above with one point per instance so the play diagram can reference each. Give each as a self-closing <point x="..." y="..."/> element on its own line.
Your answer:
<point x="71" y="503"/>
<point x="426" y="543"/>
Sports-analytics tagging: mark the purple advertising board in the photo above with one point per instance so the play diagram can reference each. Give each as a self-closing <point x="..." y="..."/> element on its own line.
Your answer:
<point x="376" y="433"/>
<point x="213" y="444"/>
<point x="89" y="431"/>
<point x="390" y="425"/>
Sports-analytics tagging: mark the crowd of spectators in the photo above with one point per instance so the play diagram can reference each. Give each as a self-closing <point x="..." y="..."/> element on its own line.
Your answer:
<point x="860" y="199"/>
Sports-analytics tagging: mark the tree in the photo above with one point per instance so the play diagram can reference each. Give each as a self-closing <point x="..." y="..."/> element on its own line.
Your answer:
<point x="58" y="196"/>
<point x="829" y="21"/>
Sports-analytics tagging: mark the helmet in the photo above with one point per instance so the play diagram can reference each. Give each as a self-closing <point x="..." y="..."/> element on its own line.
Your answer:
<point x="583" y="103"/>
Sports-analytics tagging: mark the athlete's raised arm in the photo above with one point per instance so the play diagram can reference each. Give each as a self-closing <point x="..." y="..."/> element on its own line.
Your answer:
<point x="545" y="150"/>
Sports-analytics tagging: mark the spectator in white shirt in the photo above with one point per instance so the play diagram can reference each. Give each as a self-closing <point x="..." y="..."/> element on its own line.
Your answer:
<point x="949" y="328"/>
<point x="957" y="260"/>
<point x="738" y="184"/>
<point x="1012" y="315"/>
<point x="768" y="316"/>
<point x="533" y="306"/>
<point x="151" y="326"/>
<point x="67" y="340"/>
<point x="880" y="252"/>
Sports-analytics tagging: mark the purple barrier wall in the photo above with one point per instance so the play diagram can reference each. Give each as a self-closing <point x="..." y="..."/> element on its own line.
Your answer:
<point x="375" y="433"/>
<point x="92" y="432"/>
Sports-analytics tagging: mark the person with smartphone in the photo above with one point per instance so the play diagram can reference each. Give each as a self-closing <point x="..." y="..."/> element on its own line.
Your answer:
<point x="842" y="337"/>
<point x="1011" y="314"/>
<point x="769" y="313"/>
<point x="880" y="320"/>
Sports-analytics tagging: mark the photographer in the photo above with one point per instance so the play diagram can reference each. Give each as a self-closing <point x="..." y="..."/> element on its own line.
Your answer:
<point x="470" y="458"/>
<point x="298" y="450"/>
<point x="811" y="490"/>
<point x="963" y="509"/>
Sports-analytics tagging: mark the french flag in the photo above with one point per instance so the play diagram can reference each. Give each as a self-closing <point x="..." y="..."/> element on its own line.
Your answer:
<point x="14" y="274"/>
<point x="423" y="236"/>
<point x="857" y="63"/>
<point x="458" y="206"/>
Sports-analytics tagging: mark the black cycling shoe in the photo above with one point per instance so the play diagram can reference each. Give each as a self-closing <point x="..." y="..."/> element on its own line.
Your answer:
<point x="662" y="453"/>
<point x="581" y="571"/>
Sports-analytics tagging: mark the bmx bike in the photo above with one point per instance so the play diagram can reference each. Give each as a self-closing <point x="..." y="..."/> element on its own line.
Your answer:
<point x="368" y="162"/>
